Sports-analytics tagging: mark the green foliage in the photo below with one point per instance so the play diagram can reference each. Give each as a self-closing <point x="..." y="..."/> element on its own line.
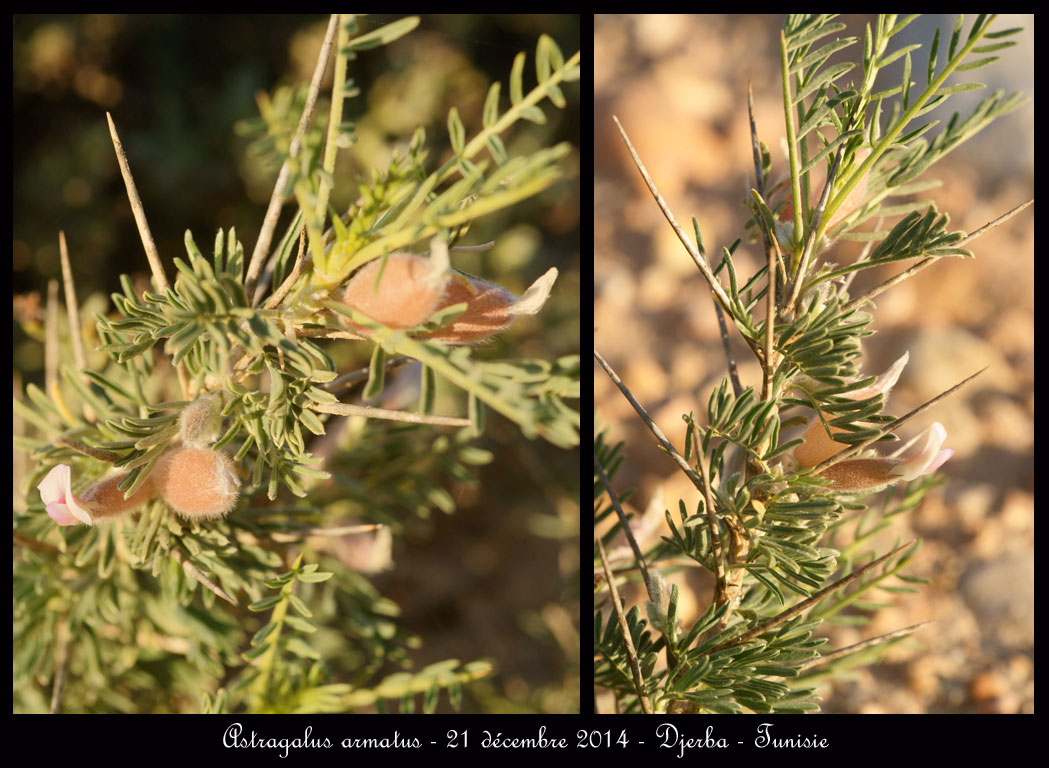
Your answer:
<point x="151" y="611"/>
<point x="404" y="205"/>
<point x="855" y="114"/>
<point x="788" y="543"/>
<point x="286" y="671"/>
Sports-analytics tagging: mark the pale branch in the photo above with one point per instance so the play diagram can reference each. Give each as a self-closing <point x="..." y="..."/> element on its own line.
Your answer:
<point x="51" y="349"/>
<point x="152" y="255"/>
<point x="262" y="245"/>
<point x="733" y="371"/>
<point x="700" y="482"/>
<point x="349" y="379"/>
<point x="338" y="531"/>
<point x="339" y="92"/>
<point x="892" y="281"/>
<point x="697" y="257"/>
<point x="625" y="525"/>
<point x="301" y="262"/>
<point x="194" y="572"/>
<point x="862" y="645"/>
<point x="771" y="254"/>
<point x="155" y="265"/>
<point x="35" y="545"/>
<point x="728" y="585"/>
<point x="63" y="638"/>
<point x="329" y="333"/>
<point x="72" y="308"/>
<point x="345" y="409"/>
<point x="624" y="630"/>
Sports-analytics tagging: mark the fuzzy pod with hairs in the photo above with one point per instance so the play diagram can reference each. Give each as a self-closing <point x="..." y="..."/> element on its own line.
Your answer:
<point x="490" y="308"/>
<point x="198" y="483"/>
<point x="407" y="291"/>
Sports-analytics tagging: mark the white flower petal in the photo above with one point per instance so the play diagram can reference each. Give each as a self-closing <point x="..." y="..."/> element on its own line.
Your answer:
<point x="928" y="458"/>
<point x="56" y="484"/>
<point x="532" y="300"/>
<point x="57" y="494"/>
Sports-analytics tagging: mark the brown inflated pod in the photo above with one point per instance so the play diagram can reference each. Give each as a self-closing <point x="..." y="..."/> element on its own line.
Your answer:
<point x="406" y="293"/>
<point x="198" y="483"/>
<point x="490" y="308"/>
<point x="411" y="288"/>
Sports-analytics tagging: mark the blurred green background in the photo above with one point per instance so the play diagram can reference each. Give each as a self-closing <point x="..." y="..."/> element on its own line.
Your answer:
<point x="176" y="85"/>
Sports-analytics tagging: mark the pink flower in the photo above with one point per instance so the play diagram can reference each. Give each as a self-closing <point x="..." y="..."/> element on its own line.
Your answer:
<point x="818" y="445"/>
<point x="929" y="457"/>
<point x="867" y="474"/>
<point x="103" y="499"/>
<point x="62" y="506"/>
<point x="876" y="473"/>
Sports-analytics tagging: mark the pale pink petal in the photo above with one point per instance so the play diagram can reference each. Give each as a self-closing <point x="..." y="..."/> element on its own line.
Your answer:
<point x="884" y="383"/>
<point x="56" y="485"/>
<point x="939" y="460"/>
<point x="60" y="514"/>
<point x="928" y="458"/>
<point x="57" y="494"/>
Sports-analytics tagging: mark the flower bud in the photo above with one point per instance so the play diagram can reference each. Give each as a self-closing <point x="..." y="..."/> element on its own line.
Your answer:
<point x="198" y="483"/>
<point x="200" y="421"/>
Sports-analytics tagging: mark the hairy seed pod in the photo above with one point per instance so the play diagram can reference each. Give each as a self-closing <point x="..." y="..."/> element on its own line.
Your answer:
<point x="407" y="292"/>
<point x="487" y="310"/>
<point x="411" y="288"/>
<point x="198" y="483"/>
<point x="490" y="308"/>
<point x="106" y="500"/>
